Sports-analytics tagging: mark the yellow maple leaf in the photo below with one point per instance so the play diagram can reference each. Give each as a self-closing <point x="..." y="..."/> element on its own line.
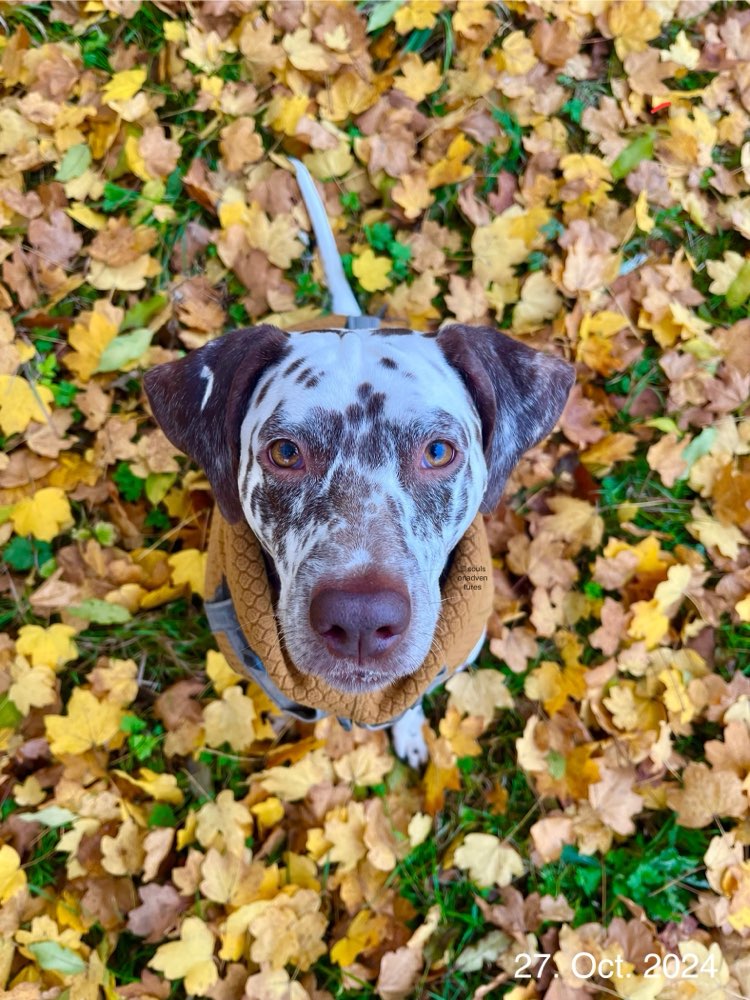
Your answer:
<point x="574" y="521"/>
<point x="676" y="696"/>
<point x="372" y="271"/>
<point x="20" y="403"/>
<point x="540" y="302"/>
<point x="191" y="958"/>
<point x="123" y="85"/>
<point x="327" y="163"/>
<point x="365" y="931"/>
<point x="288" y="929"/>
<point x="518" y="55"/>
<point x="488" y="861"/>
<point x="174" y="31"/>
<point x="135" y="160"/>
<point x="162" y="787"/>
<point x="119" y="678"/>
<point x="438" y="780"/>
<point x="221" y="674"/>
<point x="413" y="194"/>
<point x="727" y="538"/>
<point x="642" y="219"/>
<point x="647" y="551"/>
<point x="671" y="590"/>
<point x="88" y="340"/>
<point x="52" y="646"/>
<point x="496" y="251"/>
<point x="419" y="78"/>
<point x="224" y="822"/>
<point x="32" y="687"/>
<point x="364" y="765"/>
<point x="230" y="720"/>
<point x="633" y="24"/>
<point x="416" y="14"/>
<point x="649" y="623"/>
<point x="189" y="566"/>
<point x="207" y="51"/>
<point x="479" y="692"/>
<point x="451" y="169"/>
<point x="44" y="515"/>
<point x="89" y="723"/>
<point x="12" y="876"/>
<point x="268" y="813"/>
<point x="127" y="278"/>
<point x="274" y="984"/>
<point x="338" y="39"/>
<point x="616" y="447"/>
<point x="553" y="685"/>
<point x="706" y="794"/>
<point x="420" y="827"/>
<point x="284" y="112"/>
<point x="345" y="830"/>
<point x="594" y="347"/>
<point x="462" y="734"/>
<point x="587" y="168"/>
<point x="349" y="94"/>
<point x="305" y="54"/>
<point x="743" y="608"/>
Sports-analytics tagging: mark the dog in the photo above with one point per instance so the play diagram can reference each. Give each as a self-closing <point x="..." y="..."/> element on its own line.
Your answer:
<point x="359" y="458"/>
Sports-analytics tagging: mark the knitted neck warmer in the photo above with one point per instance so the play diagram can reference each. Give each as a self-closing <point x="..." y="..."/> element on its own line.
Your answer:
<point x="235" y="565"/>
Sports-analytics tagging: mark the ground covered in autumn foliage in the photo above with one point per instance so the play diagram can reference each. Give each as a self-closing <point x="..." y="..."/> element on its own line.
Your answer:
<point x="577" y="173"/>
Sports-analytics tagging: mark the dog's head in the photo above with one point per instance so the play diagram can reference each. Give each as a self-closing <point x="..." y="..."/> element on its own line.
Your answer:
<point x="359" y="459"/>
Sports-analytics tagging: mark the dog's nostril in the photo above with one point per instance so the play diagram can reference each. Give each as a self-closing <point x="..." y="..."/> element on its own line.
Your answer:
<point x="385" y="632"/>
<point x="336" y="633"/>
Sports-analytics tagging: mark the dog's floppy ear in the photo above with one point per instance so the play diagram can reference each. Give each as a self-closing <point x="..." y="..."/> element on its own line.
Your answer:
<point x="519" y="393"/>
<point x="200" y="401"/>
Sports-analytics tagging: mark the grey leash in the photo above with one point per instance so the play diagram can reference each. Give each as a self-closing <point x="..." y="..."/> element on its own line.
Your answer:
<point x="342" y="297"/>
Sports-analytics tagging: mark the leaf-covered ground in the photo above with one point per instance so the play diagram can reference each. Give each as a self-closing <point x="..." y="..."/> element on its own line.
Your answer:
<point x="576" y="172"/>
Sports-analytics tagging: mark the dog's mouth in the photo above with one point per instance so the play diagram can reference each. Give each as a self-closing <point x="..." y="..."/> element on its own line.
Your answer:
<point x="352" y="677"/>
<point x="359" y="632"/>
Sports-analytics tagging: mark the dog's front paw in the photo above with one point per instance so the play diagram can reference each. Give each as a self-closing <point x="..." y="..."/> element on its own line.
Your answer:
<point x="407" y="736"/>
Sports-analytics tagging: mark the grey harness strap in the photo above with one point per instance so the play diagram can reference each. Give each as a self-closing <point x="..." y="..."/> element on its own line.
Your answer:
<point x="223" y="618"/>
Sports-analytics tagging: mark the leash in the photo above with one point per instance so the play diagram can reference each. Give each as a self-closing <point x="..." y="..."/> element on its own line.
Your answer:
<point x="343" y="300"/>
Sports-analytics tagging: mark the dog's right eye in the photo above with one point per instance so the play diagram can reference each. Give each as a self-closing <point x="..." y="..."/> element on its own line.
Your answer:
<point x="285" y="454"/>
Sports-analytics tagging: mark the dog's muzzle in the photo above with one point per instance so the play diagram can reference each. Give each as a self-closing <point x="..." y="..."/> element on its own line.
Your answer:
<point x="241" y="613"/>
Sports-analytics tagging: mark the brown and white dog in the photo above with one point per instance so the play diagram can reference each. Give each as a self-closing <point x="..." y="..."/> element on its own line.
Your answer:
<point x="359" y="457"/>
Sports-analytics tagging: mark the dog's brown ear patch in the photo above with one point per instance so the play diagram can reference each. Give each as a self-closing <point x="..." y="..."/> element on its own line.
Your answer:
<point x="519" y="393"/>
<point x="200" y="401"/>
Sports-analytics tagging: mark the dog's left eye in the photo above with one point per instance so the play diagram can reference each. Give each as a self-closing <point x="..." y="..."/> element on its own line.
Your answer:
<point x="437" y="455"/>
<point x="285" y="454"/>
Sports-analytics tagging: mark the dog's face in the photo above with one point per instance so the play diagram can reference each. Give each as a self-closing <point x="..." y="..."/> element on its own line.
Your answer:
<point x="359" y="459"/>
<point x="361" y="466"/>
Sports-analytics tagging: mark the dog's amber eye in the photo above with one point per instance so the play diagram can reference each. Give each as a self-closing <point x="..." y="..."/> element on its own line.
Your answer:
<point x="285" y="454"/>
<point x="438" y="454"/>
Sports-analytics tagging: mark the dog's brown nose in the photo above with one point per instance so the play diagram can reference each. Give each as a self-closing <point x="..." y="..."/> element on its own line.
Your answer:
<point x="357" y="624"/>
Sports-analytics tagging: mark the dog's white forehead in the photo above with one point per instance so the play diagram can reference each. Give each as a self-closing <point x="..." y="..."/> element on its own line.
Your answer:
<point x="326" y="368"/>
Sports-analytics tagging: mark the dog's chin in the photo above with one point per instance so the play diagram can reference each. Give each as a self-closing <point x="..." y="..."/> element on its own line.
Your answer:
<point x="356" y="679"/>
<point x="352" y="677"/>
